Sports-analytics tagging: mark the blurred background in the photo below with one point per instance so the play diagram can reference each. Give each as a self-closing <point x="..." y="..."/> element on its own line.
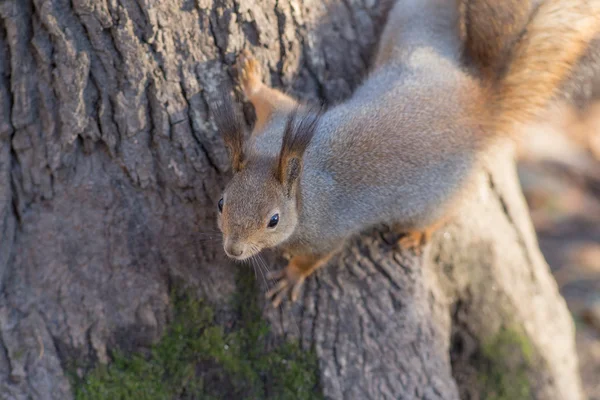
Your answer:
<point x="559" y="169"/>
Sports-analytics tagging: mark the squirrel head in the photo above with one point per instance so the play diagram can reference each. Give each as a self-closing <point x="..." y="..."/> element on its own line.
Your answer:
<point x="260" y="206"/>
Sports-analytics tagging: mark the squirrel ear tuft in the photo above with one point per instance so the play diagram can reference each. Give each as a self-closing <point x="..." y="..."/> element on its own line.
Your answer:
<point x="299" y="131"/>
<point x="231" y="126"/>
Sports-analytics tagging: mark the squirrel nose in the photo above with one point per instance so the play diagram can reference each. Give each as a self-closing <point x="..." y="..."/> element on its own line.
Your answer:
<point x="234" y="249"/>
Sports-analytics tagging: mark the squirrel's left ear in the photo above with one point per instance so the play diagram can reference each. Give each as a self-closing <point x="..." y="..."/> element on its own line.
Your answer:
<point x="299" y="131"/>
<point x="231" y="125"/>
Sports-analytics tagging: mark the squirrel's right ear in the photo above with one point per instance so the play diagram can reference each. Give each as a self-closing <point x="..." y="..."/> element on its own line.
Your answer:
<point x="232" y="127"/>
<point x="299" y="131"/>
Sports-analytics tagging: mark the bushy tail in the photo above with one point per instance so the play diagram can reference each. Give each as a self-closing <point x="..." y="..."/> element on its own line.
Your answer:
<point x="490" y="29"/>
<point x="558" y="34"/>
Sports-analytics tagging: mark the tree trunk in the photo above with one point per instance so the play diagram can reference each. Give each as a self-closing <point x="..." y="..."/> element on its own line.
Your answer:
<point x="110" y="171"/>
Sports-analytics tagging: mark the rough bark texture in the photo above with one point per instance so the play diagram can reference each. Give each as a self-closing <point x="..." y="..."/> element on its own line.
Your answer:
<point x="110" y="169"/>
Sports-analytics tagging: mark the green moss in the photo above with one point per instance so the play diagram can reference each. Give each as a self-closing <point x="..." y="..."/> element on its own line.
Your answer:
<point x="506" y="360"/>
<point x="197" y="359"/>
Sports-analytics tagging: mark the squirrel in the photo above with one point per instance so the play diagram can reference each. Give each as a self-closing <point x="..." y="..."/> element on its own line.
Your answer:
<point x="402" y="148"/>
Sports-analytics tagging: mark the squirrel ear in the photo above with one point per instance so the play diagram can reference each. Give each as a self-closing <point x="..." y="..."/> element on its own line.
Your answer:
<point x="299" y="131"/>
<point x="232" y="127"/>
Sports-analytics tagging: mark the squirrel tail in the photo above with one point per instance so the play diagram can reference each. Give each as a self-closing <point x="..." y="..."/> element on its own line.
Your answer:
<point x="555" y="39"/>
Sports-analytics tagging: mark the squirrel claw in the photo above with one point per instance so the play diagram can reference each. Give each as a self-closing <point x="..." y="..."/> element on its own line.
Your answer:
<point x="249" y="72"/>
<point x="289" y="284"/>
<point x="276" y="275"/>
<point x="413" y="241"/>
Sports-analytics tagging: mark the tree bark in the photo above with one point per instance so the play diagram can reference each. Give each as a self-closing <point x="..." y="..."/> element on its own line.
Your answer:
<point x="110" y="171"/>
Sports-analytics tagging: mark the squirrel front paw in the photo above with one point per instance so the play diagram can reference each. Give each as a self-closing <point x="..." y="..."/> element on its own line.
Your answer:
<point x="289" y="283"/>
<point x="249" y="73"/>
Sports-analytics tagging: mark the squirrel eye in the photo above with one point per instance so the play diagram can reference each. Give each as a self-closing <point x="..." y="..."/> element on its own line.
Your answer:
<point x="273" y="221"/>
<point x="221" y="205"/>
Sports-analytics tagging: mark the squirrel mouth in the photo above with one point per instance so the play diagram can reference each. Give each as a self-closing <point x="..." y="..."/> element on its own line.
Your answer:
<point x="242" y="254"/>
<point x="238" y="258"/>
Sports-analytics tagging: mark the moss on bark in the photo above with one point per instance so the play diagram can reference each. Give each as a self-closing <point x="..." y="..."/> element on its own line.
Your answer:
<point x="199" y="359"/>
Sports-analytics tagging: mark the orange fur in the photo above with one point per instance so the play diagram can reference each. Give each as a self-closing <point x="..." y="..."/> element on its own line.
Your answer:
<point x="266" y="100"/>
<point x="489" y="30"/>
<point x="543" y="59"/>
